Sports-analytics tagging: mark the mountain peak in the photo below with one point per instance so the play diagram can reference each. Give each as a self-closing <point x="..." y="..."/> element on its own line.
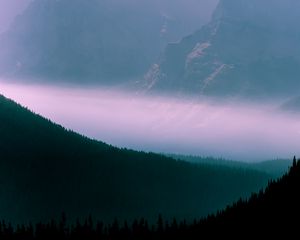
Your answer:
<point x="251" y="49"/>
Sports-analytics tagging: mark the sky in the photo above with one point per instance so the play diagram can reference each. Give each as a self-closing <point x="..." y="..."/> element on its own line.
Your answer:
<point x="9" y="9"/>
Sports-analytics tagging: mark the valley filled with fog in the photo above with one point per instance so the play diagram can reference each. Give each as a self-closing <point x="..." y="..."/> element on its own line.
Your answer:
<point x="204" y="127"/>
<point x="149" y="119"/>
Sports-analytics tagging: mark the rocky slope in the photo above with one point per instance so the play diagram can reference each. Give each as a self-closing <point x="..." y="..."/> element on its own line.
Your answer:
<point x="249" y="48"/>
<point x="96" y="40"/>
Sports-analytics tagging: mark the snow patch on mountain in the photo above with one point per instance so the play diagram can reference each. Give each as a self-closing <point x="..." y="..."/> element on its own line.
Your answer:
<point x="152" y="76"/>
<point x="219" y="70"/>
<point x="197" y="52"/>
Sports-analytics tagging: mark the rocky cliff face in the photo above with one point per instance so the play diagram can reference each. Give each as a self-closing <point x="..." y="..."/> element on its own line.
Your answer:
<point x="99" y="40"/>
<point x="251" y="47"/>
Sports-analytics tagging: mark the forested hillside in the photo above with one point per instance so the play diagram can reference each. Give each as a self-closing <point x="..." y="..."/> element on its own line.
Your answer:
<point x="276" y="168"/>
<point x="46" y="169"/>
<point x="269" y="213"/>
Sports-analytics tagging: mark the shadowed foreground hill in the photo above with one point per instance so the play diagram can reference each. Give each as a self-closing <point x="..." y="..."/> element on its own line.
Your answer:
<point x="45" y="169"/>
<point x="273" y="212"/>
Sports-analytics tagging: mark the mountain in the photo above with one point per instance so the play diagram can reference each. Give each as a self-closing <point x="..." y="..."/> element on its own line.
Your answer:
<point x="250" y="48"/>
<point x="102" y="41"/>
<point x="46" y="169"/>
<point x="291" y="105"/>
<point x="275" y="168"/>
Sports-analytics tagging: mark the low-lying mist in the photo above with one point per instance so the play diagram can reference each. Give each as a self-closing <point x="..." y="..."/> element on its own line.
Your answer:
<point x="232" y="130"/>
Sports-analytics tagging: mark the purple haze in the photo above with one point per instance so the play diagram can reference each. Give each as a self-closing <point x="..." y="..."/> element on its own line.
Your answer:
<point x="9" y="9"/>
<point x="206" y="128"/>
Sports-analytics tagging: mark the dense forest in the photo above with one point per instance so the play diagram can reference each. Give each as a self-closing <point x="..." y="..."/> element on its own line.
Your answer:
<point x="267" y="213"/>
<point x="46" y="169"/>
<point x="276" y="167"/>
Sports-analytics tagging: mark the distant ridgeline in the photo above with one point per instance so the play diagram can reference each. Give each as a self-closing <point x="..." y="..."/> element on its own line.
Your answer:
<point x="45" y="169"/>
<point x="276" y="168"/>
<point x="271" y="212"/>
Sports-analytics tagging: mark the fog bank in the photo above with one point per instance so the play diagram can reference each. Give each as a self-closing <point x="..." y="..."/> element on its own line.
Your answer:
<point x="207" y="128"/>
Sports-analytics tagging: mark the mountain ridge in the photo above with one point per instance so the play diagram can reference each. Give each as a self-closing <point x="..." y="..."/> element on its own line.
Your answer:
<point x="45" y="169"/>
<point x="248" y="49"/>
<point x="97" y="41"/>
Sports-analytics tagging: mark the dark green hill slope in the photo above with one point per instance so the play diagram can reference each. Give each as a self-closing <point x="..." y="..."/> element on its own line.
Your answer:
<point x="276" y="168"/>
<point x="273" y="212"/>
<point x="45" y="169"/>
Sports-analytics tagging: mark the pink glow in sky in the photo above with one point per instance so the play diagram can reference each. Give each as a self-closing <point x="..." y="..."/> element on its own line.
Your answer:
<point x="206" y="128"/>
